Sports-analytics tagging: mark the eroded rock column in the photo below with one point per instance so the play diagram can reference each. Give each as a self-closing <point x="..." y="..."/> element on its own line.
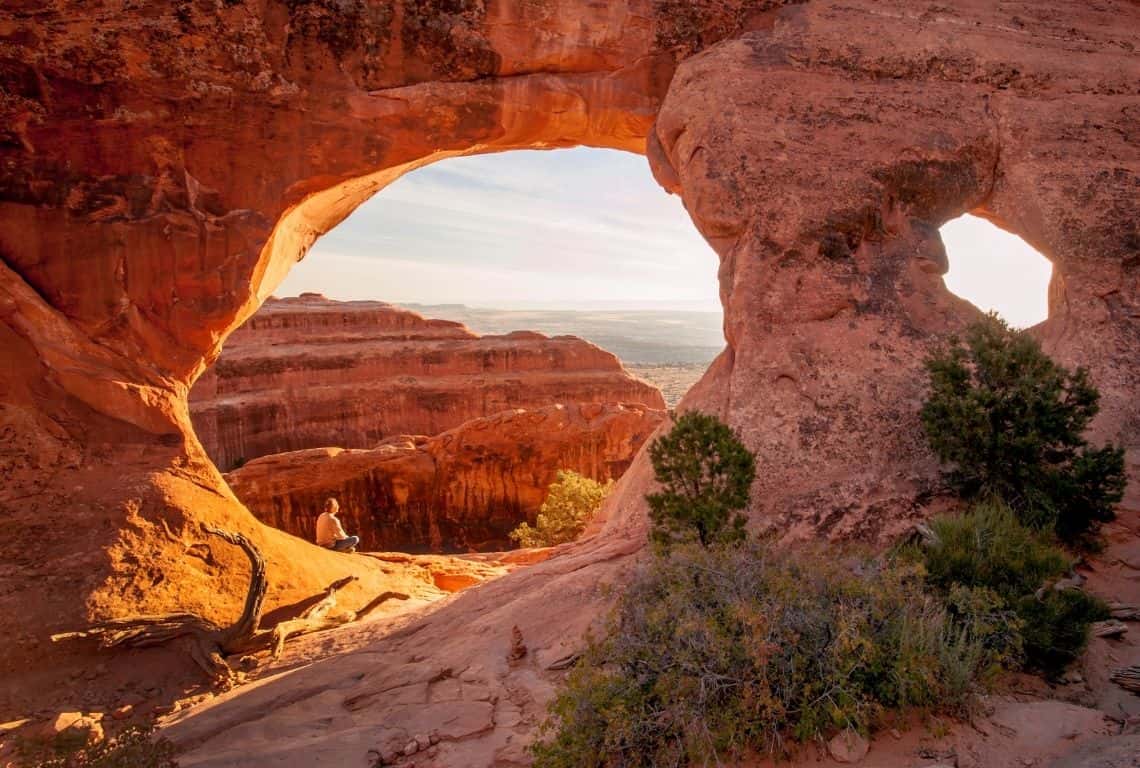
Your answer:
<point x="820" y="153"/>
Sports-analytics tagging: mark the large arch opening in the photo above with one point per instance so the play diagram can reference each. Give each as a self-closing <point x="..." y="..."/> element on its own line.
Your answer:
<point x="996" y="271"/>
<point x="437" y="357"/>
<point x="579" y="241"/>
<point x="207" y="177"/>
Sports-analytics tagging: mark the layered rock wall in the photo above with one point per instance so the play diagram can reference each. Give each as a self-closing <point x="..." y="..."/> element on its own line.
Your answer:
<point x="463" y="490"/>
<point x="310" y="373"/>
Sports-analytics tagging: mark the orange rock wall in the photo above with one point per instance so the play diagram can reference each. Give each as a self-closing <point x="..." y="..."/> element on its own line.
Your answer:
<point x="310" y="373"/>
<point x="463" y="490"/>
<point x="866" y="126"/>
<point x="163" y="165"/>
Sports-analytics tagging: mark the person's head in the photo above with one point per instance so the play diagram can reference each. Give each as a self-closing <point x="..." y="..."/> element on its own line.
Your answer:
<point x="331" y="505"/>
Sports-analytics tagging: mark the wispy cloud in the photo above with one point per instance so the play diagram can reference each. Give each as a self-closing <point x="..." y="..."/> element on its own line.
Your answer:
<point x="567" y="227"/>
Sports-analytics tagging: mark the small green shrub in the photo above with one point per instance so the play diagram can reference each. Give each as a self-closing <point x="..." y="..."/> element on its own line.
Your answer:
<point x="571" y="502"/>
<point x="705" y="474"/>
<point x="987" y="551"/>
<point x="989" y="548"/>
<point x="717" y="651"/>
<point x="1056" y="627"/>
<point x="1009" y="421"/>
<point x="133" y="747"/>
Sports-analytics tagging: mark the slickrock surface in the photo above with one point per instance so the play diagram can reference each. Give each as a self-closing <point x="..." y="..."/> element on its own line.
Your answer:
<point x="309" y="372"/>
<point x="463" y="490"/>
<point x="163" y="165"/>
<point x="136" y="685"/>
<point x="333" y="711"/>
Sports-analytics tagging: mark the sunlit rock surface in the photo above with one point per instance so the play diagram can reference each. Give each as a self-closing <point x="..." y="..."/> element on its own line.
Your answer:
<point x="465" y="489"/>
<point x="309" y="372"/>
<point x="162" y="166"/>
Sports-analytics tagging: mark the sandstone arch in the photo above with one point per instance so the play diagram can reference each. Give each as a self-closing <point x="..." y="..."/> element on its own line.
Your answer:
<point x="162" y="167"/>
<point x="159" y="172"/>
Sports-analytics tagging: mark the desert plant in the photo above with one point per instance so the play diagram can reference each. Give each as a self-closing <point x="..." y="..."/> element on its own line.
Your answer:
<point x="1010" y="422"/>
<point x="1056" y="627"/>
<point x="989" y="548"/>
<point x="571" y="502"/>
<point x="713" y="652"/>
<point x="705" y="474"/>
<point x="989" y="552"/>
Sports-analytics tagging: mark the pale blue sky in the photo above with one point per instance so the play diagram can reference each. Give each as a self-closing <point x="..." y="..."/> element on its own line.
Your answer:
<point x="581" y="229"/>
<point x="567" y="229"/>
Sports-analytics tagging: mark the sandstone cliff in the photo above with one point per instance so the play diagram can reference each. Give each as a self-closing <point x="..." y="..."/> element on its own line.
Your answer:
<point x="163" y="165"/>
<point x="465" y="489"/>
<point x="310" y="372"/>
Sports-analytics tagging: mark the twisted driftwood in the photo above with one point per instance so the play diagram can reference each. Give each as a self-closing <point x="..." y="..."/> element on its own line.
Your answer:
<point x="1127" y="678"/>
<point x="1124" y="611"/>
<point x="314" y="619"/>
<point x="207" y="643"/>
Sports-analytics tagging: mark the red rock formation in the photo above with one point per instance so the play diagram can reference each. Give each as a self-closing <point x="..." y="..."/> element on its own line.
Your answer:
<point x="163" y="165"/>
<point x="310" y="372"/>
<point x="463" y="490"/>
<point x="876" y="123"/>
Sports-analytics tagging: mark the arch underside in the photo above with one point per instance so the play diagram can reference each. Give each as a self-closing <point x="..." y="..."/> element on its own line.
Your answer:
<point x="818" y="146"/>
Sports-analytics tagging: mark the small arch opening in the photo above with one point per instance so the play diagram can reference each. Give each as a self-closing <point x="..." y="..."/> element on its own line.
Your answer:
<point x="997" y="271"/>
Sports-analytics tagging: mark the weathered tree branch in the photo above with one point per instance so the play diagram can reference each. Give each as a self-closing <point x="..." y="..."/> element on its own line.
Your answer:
<point x="207" y="643"/>
<point x="247" y="624"/>
<point x="1127" y="678"/>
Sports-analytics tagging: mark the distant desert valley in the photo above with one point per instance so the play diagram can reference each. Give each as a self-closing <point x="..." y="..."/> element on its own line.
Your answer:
<point x="668" y="348"/>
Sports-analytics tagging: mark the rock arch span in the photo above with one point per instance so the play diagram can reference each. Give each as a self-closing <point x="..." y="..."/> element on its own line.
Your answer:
<point x="161" y="170"/>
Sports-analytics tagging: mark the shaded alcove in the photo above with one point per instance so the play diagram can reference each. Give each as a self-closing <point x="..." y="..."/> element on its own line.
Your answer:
<point x="995" y="270"/>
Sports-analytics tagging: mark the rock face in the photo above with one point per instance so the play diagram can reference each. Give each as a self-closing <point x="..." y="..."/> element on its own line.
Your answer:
<point x="162" y="167"/>
<point x="310" y="372"/>
<point x="867" y="126"/>
<point x="463" y="490"/>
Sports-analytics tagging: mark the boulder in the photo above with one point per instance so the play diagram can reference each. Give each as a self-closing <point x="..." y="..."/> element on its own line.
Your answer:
<point x="847" y="747"/>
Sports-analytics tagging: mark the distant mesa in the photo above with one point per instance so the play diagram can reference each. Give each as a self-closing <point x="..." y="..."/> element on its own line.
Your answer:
<point x="310" y="372"/>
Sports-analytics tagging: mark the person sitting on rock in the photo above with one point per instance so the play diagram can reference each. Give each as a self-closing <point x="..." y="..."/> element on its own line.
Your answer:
<point x="330" y="533"/>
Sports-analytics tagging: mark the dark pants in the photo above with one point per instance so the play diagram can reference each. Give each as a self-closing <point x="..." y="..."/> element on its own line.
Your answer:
<point x="341" y="545"/>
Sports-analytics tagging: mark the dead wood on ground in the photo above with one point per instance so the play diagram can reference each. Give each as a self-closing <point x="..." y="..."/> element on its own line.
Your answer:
<point x="207" y="643"/>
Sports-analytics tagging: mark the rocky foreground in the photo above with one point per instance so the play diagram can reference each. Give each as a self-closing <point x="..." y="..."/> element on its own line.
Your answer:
<point x="309" y="372"/>
<point x="476" y="691"/>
